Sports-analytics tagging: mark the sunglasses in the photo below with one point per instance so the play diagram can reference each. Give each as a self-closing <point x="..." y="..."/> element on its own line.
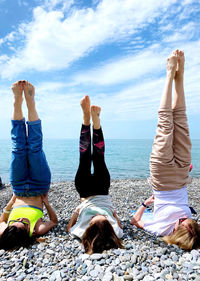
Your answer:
<point x="187" y="226"/>
<point x="24" y="222"/>
<point x="181" y="220"/>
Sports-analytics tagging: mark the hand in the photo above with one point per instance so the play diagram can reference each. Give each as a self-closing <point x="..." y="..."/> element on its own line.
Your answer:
<point x="77" y="209"/>
<point x="150" y="200"/>
<point x="68" y="227"/>
<point x="13" y="198"/>
<point x="45" y="199"/>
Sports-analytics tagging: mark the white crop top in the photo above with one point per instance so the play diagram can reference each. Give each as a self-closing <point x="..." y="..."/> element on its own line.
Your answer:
<point x="99" y="204"/>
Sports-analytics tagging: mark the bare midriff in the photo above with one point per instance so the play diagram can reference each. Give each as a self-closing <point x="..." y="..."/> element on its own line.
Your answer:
<point x="34" y="201"/>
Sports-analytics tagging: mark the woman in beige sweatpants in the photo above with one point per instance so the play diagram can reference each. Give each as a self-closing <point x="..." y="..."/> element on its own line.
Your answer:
<point x="170" y="165"/>
<point x="171" y="153"/>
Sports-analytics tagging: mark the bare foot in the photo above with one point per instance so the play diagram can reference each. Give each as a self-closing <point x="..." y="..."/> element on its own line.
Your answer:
<point x="180" y="65"/>
<point x="95" y="112"/>
<point x="172" y="64"/>
<point x="17" y="89"/>
<point x="29" y="92"/>
<point x="85" y="104"/>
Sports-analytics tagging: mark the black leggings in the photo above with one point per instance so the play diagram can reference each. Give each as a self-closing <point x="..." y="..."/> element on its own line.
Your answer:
<point x="98" y="183"/>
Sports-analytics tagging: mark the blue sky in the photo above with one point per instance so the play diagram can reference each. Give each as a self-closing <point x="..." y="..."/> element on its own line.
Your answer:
<point x="114" y="51"/>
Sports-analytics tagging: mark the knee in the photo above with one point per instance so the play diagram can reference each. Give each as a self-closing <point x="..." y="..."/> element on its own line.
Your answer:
<point x="165" y="127"/>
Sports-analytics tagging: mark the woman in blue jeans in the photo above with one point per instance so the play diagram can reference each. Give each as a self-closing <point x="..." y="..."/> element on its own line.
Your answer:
<point x="21" y="221"/>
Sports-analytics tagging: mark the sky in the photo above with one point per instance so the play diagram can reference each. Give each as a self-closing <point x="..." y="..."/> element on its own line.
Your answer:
<point x="114" y="51"/>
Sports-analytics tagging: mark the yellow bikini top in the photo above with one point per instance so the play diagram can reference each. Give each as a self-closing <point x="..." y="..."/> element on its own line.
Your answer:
<point x="32" y="213"/>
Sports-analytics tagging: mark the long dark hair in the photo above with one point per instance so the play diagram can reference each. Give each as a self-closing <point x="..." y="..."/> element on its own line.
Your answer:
<point x="100" y="236"/>
<point x="14" y="238"/>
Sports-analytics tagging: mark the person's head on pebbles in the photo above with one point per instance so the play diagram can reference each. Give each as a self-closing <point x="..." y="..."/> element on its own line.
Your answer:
<point x="94" y="221"/>
<point x="170" y="164"/>
<point x="22" y="218"/>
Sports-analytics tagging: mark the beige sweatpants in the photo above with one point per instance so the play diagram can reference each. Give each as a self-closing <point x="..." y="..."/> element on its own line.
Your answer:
<point x="171" y="152"/>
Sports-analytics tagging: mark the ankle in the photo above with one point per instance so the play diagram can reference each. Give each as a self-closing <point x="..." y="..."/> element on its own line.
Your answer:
<point x="96" y="125"/>
<point x="86" y="123"/>
<point x="86" y="119"/>
<point x="170" y="76"/>
<point x="179" y="77"/>
<point x="32" y="116"/>
<point x="17" y="104"/>
<point x="18" y="107"/>
<point x="30" y="104"/>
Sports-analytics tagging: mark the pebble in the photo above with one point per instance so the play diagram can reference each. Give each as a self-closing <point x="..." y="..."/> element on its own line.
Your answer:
<point x="94" y="273"/>
<point x="25" y="262"/>
<point x="96" y="256"/>
<point x="128" y="277"/>
<point x="107" y="277"/>
<point x="62" y="258"/>
<point x="2" y="252"/>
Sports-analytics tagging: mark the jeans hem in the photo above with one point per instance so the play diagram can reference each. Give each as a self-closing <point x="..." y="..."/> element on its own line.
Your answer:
<point x="30" y="123"/>
<point x="18" y="121"/>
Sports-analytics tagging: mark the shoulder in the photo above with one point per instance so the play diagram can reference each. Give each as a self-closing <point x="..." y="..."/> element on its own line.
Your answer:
<point x="3" y="226"/>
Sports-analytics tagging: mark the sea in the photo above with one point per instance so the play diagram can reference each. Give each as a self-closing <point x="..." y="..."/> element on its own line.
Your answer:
<point x="124" y="158"/>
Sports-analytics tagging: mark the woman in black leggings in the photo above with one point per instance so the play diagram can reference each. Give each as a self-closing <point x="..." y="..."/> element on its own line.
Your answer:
<point x="94" y="221"/>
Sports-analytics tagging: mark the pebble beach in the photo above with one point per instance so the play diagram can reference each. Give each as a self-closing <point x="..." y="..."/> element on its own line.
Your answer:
<point x="61" y="257"/>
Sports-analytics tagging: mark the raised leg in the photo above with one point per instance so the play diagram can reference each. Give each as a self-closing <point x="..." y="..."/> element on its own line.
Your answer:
<point x="162" y="156"/>
<point x="83" y="176"/>
<point x="39" y="172"/>
<point x="101" y="177"/>
<point x="162" y="151"/>
<point x="182" y="142"/>
<point x="29" y="93"/>
<point x="179" y="95"/>
<point x="18" y="168"/>
<point x="17" y="89"/>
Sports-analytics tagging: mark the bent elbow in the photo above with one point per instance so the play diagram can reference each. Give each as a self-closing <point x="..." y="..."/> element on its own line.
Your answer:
<point x="55" y="221"/>
<point x="133" y="221"/>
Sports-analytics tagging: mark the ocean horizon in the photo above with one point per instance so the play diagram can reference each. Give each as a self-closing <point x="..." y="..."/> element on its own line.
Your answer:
<point x="125" y="158"/>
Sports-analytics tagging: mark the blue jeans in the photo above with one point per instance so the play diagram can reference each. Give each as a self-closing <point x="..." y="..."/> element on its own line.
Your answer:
<point x="29" y="172"/>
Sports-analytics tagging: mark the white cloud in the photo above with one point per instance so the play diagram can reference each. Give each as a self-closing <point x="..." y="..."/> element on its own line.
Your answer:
<point x="147" y="62"/>
<point x="6" y="104"/>
<point x="145" y="88"/>
<point x="53" y="42"/>
<point x="186" y="2"/>
<point x="52" y="87"/>
<point x="3" y="58"/>
<point x="51" y="4"/>
<point x="185" y="33"/>
<point x="167" y="27"/>
<point x="59" y="106"/>
<point x="22" y="3"/>
<point x="189" y="8"/>
<point x="8" y="38"/>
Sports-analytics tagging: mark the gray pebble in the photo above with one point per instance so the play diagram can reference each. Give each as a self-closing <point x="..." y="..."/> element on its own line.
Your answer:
<point x="56" y="276"/>
<point x="94" y="273"/>
<point x="128" y="277"/>
<point x="141" y="276"/>
<point x="21" y="277"/>
<point x="2" y="252"/>
<point x="107" y="277"/>
<point x="96" y="256"/>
